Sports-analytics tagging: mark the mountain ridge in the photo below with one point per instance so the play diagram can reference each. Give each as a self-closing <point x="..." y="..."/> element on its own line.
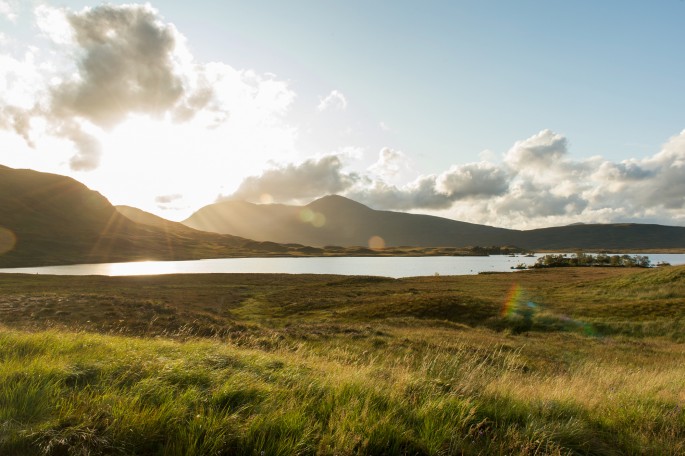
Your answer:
<point x="344" y="222"/>
<point x="49" y="219"/>
<point x="337" y="220"/>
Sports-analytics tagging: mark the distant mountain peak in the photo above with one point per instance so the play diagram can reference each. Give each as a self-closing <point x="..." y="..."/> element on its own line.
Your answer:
<point x="336" y="202"/>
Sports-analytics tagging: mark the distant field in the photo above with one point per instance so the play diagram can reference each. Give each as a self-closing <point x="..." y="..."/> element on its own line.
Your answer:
<point x="559" y="361"/>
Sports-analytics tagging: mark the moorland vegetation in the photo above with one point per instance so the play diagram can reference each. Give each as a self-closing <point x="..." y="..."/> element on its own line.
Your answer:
<point x="560" y="361"/>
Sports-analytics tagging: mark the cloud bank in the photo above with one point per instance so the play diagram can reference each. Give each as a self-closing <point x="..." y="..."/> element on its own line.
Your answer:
<point x="536" y="184"/>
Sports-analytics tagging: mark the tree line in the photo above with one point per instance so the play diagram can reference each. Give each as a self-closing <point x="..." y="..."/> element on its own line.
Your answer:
<point x="586" y="259"/>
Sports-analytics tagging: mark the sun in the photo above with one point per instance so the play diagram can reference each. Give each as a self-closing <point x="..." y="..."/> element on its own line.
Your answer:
<point x="148" y="161"/>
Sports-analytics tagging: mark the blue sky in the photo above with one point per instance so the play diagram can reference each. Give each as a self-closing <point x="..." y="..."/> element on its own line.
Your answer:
<point x="510" y="113"/>
<point x="460" y="77"/>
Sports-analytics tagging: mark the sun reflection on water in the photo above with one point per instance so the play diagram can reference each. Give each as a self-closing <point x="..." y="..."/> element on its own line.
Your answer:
<point x="143" y="268"/>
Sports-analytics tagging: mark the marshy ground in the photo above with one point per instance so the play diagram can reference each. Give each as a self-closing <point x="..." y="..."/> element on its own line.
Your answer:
<point x="559" y="361"/>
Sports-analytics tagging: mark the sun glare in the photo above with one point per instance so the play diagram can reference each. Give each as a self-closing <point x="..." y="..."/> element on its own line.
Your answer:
<point x="143" y="268"/>
<point x="146" y="159"/>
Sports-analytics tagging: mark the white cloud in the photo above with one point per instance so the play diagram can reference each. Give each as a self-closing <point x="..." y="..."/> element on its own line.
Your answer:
<point x="420" y="194"/>
<point x="390" y="164"/>
<point x="166" y="199"/>
<point x="537" y="185"/>
<point x="21" y="83"/>
<point x="350" y="152"/>
<point x="9" y="9"/>
<point x="656" y="182"/>
<point x="113" y="64"/>
<point x="292" y="182"/>
<point x="54" y="24"/>
<point x="128" y="64"/>
<point x="473" y="180"/>
<point x="89" y="149"/>
<point x="334" y="100"/>
<point x="118" y="97"/>
<point x="169" y="202"/>
<point x="541" y="151"/>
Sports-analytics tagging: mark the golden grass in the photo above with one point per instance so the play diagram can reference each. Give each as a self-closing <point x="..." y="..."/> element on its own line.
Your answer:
<point x="336" y="365"/>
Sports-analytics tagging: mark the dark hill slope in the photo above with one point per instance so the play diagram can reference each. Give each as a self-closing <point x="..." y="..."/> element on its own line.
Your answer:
<point x="50" y="219"/>
<point x="264" y="222"/>
<point x="619" y="236"/>
<point x="145" y="218"/>
<point x="335" y="220"/>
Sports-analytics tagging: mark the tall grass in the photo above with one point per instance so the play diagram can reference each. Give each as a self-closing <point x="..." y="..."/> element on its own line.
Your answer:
<point x="488" y="393"/>
<point x="583" y="362"/>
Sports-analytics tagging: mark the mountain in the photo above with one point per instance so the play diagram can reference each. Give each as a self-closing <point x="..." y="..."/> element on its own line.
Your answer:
<point x="336" y="220"/>
<point x="610" y="236"/>
<point x="48" y="219"/>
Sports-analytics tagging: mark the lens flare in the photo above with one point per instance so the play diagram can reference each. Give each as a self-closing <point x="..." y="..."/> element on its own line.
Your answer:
<point x="513" y="300"/>
<point x="316" y="219"/>
<point x="517" y="307"/>
<point x="376" y="243"/>
<point x="578" y="325"/>
<point x="306" y="215"/>
<point x="319" y="220"/>
<point x="7" y="240"/>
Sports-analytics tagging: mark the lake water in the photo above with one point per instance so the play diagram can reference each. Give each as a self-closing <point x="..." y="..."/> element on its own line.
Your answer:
<point x="379" y="266"/>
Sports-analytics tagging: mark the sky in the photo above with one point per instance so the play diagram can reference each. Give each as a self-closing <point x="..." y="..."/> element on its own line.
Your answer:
<point x="520" y="114"/>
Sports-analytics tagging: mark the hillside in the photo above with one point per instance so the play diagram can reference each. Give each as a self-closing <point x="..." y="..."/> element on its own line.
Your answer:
<point x="613" y="236"/>
<point x="50" y="219"/>
<point x="335" y="220"/>
<point x="145" y="218"/>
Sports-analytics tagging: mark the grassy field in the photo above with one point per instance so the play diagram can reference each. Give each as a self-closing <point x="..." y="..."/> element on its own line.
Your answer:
<point x="582" y="361"/>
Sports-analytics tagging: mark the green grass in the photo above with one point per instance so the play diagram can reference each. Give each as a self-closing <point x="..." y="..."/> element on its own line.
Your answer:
<point x="81" y="393"/>
<point x="333" y="365"/>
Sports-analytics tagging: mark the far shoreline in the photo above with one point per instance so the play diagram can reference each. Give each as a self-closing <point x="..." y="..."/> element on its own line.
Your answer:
<point x="349" y="252"/>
